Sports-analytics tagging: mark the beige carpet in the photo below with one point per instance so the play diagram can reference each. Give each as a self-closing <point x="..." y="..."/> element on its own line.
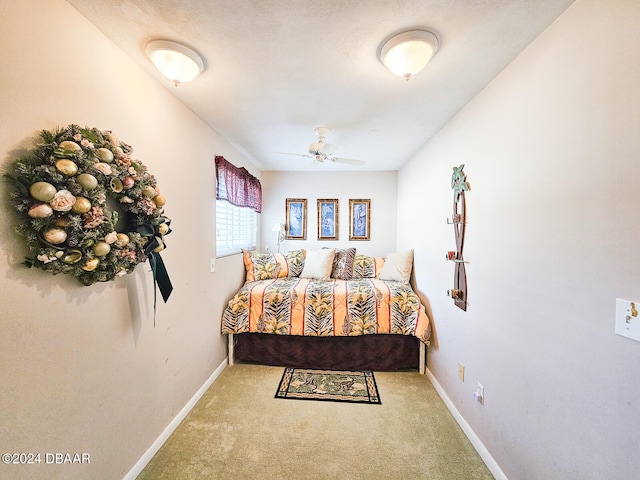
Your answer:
<point x="238" y="430"/>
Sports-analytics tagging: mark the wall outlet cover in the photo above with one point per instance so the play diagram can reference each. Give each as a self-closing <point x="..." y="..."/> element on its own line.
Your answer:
<point x="628" y="319"/>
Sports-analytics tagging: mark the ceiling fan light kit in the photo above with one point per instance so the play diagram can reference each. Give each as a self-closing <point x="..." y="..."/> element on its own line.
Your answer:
<point x="177" y="62"/>
<point x="409" y="52"/>
<point x="321" y="148"/>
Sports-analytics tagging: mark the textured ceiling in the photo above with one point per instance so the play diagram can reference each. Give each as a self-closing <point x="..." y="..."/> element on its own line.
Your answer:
<point x="276" y="69"/>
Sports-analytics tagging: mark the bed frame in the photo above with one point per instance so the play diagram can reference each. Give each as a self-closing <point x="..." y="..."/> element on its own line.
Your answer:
<point x="365" y="352"/>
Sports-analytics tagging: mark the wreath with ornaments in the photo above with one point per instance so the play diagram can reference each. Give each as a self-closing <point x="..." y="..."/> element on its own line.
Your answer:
<point x="69" y="192"/>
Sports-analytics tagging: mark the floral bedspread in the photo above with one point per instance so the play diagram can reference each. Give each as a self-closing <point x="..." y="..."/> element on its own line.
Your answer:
<point x="300" y="306"/>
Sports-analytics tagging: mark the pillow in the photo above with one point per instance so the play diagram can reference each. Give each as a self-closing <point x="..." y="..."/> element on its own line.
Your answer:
<point x="318" y="264"/>
<point x="367" y="267"/>
<point x="343" y="263"/>
<point x="295" y="262"/>
<point x="268" y="266"/>
<point x="261" y="266"/>
<point x="397" y="267"/>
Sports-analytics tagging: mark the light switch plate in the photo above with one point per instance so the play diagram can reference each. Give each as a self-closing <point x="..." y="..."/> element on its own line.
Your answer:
<point x="628" y="319"/>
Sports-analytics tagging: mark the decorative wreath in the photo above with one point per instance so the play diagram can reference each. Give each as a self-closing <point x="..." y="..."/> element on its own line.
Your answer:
<point x="68" y="191"/>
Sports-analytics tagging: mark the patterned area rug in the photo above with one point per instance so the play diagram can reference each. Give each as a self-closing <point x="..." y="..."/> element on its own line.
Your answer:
<point x="331" y="385"/>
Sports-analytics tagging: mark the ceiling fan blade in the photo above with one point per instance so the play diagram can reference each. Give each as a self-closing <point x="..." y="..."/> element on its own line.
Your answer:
<point x="348" y="161"/>
<point x="295" y="154"/>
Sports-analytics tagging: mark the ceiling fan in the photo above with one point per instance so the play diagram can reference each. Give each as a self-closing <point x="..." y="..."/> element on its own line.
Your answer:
<point x="323" y="152"/>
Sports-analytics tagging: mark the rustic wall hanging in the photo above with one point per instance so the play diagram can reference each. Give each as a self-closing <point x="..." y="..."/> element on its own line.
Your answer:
<point x="61" y="192"/>
<point x="458" y="220"/>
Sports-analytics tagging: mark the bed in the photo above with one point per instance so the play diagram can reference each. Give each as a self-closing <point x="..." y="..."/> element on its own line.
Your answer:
<point x="328" y="308"/>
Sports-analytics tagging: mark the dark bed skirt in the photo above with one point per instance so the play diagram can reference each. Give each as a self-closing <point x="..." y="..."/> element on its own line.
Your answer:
<point x="366" y="352"/>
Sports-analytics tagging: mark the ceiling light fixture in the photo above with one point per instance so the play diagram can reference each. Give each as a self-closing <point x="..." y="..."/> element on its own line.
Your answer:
<point x="175" y="61"/>
<point x="409" y="52"/>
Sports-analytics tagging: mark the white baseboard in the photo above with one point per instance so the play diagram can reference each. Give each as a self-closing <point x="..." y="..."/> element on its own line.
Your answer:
<point x="492" y="465"/>
<point x="155" y="446"/>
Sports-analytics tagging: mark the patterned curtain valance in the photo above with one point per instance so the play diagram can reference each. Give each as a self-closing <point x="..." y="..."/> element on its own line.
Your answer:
<point x="237" y="186"/>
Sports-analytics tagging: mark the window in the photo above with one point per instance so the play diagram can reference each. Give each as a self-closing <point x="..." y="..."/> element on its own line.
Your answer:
<point x="236" y="228"/>
<point x="238" y="202"/>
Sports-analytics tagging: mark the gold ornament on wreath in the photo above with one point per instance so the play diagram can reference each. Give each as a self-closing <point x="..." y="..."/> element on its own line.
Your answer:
<point x="62" y="188"/>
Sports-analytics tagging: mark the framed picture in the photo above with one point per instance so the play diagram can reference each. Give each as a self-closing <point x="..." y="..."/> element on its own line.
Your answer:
<point x="328" y="219"/>
<point x="296" y="228"/>
<point x="359" y="219"/>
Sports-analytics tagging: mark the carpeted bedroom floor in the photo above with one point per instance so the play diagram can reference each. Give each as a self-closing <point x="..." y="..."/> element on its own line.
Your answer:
<point x="238" y="430"/>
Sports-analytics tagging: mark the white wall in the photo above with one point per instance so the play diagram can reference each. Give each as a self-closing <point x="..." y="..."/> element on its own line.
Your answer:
<point x="83" y="368"/>
<point x="551" y="149"/>
<point x="380" y="187"/>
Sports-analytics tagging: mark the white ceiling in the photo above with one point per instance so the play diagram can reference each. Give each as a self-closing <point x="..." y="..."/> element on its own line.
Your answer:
<point x="276" y="69"/>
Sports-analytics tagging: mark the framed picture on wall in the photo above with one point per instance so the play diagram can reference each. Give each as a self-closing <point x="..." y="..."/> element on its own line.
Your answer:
<point x="328" y="219"/>
<point x="359" y="219"/>
<point x="296" y="228"/>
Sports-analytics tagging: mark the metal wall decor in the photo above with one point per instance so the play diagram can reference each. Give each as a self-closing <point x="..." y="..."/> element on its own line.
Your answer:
<point x="458" y="220"/>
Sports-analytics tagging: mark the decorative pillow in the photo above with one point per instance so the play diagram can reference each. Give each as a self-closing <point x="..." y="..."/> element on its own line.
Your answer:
<point x="295" y="262"/>
<point x="268" y="266"/>
<point x="260" y="266"/>
<point x="318" y="264"/>
<point x="343" y="263"/>
<point x="397" y="267"/>
<point x="367" y="267"/>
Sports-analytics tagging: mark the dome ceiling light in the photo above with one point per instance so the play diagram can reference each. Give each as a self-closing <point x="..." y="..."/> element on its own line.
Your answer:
<point x="409" y="52"/>
<point x="177" y="62"/>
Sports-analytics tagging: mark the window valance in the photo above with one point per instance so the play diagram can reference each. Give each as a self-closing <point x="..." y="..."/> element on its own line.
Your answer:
<point x="237" y="186"/>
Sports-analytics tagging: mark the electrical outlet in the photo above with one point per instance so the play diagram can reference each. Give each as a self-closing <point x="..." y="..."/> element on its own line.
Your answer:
<point x="213" y="265"/>
<point x="479" y="393"/>
<point x="461" y="371"/>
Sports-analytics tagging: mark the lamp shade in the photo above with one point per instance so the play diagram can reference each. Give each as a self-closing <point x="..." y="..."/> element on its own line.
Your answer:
<point x="175" y="61"/>
<point x="409" y="52"/>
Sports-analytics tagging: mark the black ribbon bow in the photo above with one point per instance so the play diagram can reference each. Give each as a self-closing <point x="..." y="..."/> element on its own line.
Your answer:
<point x="160" y="276"/>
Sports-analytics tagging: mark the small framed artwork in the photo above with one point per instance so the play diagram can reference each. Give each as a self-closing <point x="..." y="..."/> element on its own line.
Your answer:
<point x="359" y="219"/>
<point x="296" y="228"/>
<point x="328" y="219"/>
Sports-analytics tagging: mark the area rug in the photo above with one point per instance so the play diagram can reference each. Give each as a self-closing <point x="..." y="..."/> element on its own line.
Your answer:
<point x="330" y="385"/>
